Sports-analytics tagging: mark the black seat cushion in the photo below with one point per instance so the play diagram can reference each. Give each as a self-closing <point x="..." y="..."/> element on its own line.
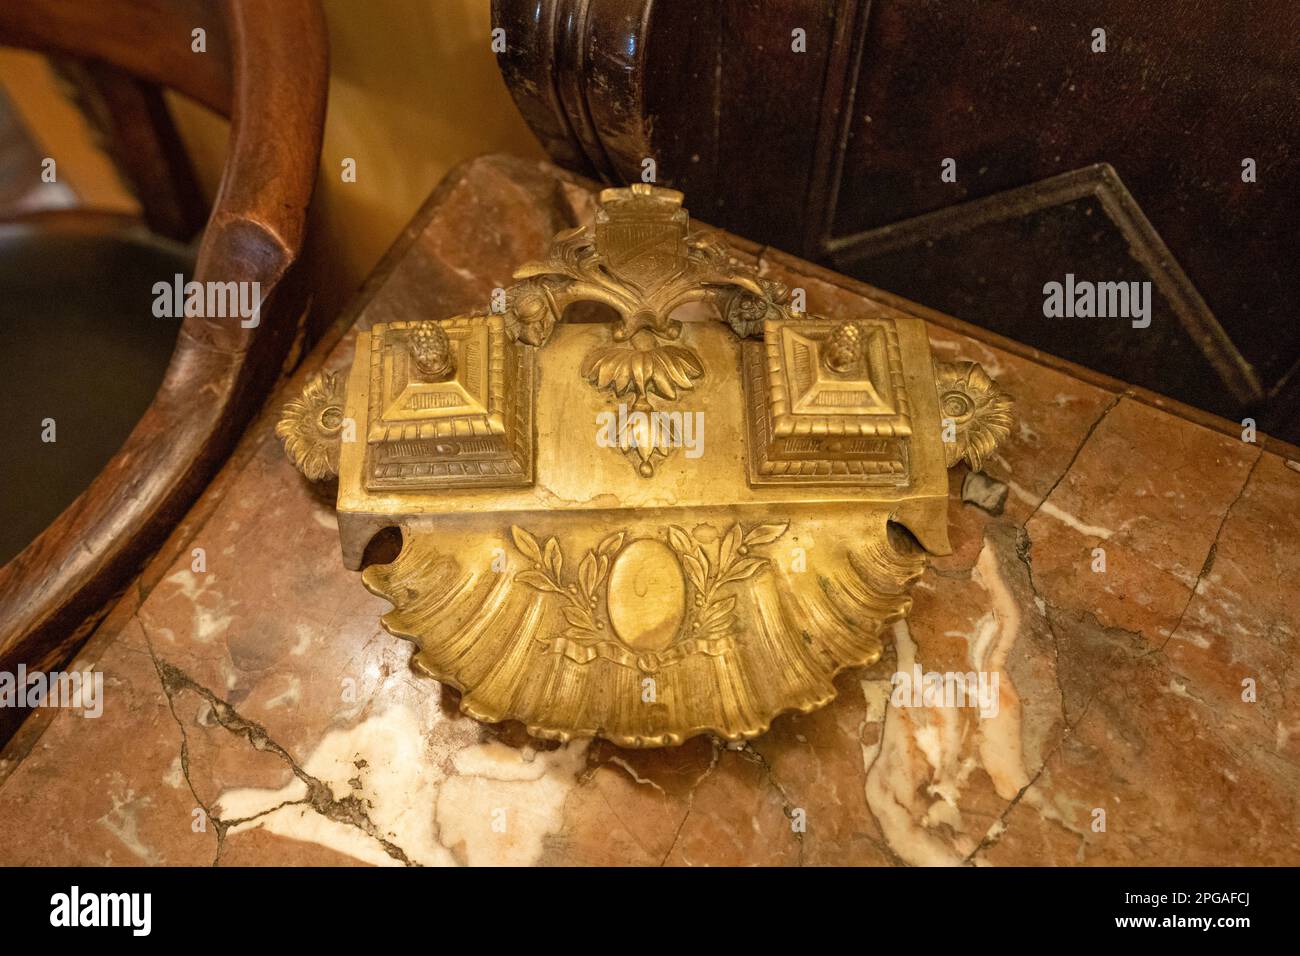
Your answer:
<point x="79" y="344"/>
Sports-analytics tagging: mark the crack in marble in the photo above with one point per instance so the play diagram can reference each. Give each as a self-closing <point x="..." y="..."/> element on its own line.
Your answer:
<point x="991" y="839"/>
<point x="1024" y="548"/>
<point x="787" y="806"/>
<point x="348" y="810"/>
<point x="1006" y="766"/>
<point x="240" y="821"/>
<point x="1050" y="610"/>
<point x="636" y="838"/>
<point x="690" y="800"/>
<point x="184" y="755"/>
<point x="1210" y="555"/>
<point x="678" y="832"/>
<point x="1087" y="436"/>
<point x="1071" y="726"/>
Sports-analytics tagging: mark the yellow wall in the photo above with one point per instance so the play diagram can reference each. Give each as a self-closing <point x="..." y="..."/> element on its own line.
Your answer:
<point x="414" y="89"/>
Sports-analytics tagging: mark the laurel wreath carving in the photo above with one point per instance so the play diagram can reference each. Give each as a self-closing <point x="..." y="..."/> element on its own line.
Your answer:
<point x="547" y="575"/>
<point x="734" y="561"/>
<point x="711" y="617"/>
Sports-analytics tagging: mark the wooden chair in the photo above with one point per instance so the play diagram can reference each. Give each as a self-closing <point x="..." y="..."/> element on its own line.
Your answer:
<point x="266" y="69"/>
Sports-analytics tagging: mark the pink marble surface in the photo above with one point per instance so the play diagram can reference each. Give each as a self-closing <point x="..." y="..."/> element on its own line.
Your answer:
<point x="257" y="713"/>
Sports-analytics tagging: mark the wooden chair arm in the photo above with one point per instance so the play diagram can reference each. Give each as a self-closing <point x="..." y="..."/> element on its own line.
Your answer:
<point x="266" y="68"/>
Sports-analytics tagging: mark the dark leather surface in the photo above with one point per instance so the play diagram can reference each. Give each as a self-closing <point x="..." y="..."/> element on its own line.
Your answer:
<point x="79" y="343"/>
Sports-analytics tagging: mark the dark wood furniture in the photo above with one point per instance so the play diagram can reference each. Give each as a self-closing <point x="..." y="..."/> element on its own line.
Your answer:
<point x="1125" y="163"/>
<point x="265" y="67"/>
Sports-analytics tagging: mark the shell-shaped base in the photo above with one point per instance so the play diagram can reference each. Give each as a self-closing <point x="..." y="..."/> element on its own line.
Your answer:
<point x="522" y="620"/>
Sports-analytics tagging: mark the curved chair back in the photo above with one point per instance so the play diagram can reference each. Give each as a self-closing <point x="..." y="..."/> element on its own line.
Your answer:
<point x="266" y="68"/>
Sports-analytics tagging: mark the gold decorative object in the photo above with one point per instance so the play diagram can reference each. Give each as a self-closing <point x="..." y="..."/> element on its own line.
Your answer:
<point x="310" y="426"/>
<point x="431" y="351"/>
<point x="979" y="411"/>
<point x="788" y="475"/>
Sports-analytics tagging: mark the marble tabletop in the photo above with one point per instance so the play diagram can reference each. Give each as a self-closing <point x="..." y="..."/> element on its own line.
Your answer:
<point x="256" y="712"/>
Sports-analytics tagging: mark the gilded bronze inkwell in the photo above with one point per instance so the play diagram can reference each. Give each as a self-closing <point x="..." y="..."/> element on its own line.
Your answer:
<point x="648" y="528"/>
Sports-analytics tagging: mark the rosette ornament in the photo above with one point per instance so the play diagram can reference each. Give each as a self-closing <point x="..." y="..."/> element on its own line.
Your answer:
<point x="976" y="412"/>
<point x="311" y="425"/>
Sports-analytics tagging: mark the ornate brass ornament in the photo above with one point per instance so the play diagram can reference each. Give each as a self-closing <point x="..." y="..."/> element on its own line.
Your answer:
<point x="727" y="576"/>
<point x="310" y="425"/>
